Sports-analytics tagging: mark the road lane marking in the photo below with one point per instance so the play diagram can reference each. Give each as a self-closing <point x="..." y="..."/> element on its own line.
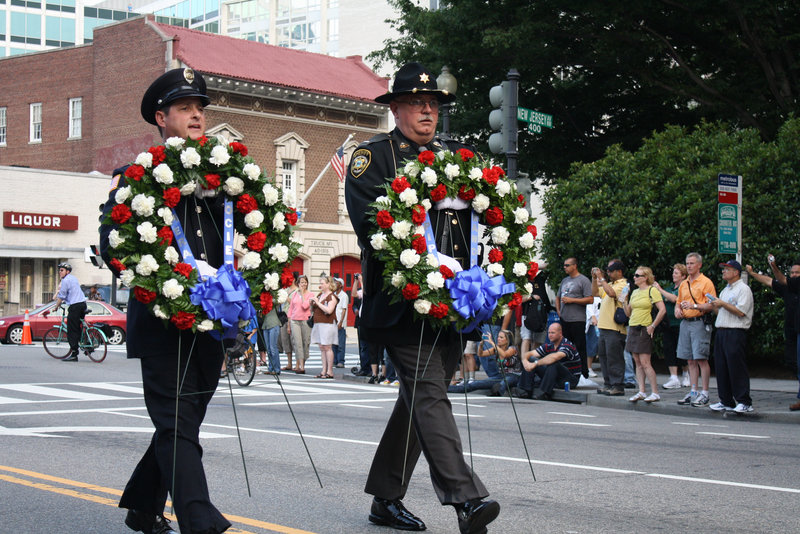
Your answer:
<point x="698" y="424"/>
<point x="572" y="414"/>
<point x="733" y="435"/>
<point x="575" y="423"/>
<point x="55" y="431"/>
<point x="57" y="392"/>
<point x="363" y="406"/>
<point x="465" y="415"/>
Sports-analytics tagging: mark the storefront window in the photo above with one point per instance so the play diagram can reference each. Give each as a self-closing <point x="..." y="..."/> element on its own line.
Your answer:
<point x="5" y="268"/>
<point x="25" y="284"/>
<point x="49" y="280"/>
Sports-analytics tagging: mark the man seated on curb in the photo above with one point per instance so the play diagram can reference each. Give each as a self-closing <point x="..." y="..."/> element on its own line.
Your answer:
<point x="555" y="362"/>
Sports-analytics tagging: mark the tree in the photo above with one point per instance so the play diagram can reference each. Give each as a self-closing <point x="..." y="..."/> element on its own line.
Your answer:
<point x="609" y="72"/>
<point x="653" y="206"/>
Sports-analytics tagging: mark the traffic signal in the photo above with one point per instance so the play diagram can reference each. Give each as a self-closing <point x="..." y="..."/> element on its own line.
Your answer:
<point x="95" y="257"/>
<point x="503" y="119"/>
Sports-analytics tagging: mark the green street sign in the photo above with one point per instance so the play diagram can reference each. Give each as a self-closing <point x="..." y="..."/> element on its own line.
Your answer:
<point x="728" y="224"/>
<point x="534" y="117"/>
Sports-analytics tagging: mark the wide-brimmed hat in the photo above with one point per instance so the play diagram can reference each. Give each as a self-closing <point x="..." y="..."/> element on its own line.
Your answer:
<point x="413" y="78"/>
<point x="169" y="87"/>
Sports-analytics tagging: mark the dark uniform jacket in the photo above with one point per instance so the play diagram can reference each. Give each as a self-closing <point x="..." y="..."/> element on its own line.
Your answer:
<point x="373" y="164"/>
<point x="201" y="219"/>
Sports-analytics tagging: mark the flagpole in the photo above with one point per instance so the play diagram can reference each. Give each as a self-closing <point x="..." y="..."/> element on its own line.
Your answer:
<point x="321" y="174"/>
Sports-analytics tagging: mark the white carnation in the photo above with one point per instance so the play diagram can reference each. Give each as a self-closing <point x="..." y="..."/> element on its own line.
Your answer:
<point x="409" y="258"/>
<point x="147" y="265"/>
<point x="126" y="277"/>
<point x="441" y="155"/>
<point x="219" y="155"/>
<point x="253" y="219"/>
<point x="143" y="205"/>
<point x="158" y="312"/>
<point x="171" y="255"/>
<point x="526" y="240"/>
<point x="435" y="280"/>
<point x="451" y="170"/>
<point x="494" y="269"/>
<point x="175" y="142"/>
<point x="205" y="325"/>
<point x="499" y="235"/>
<point x="251" y="260"/>
<point x="398" y="280"/>
<point x="521" y="215"/>
<point x="172" y="289"/>
<point x="163" y="174"/>
<point x="503" y="187"/>
<point x="145" y="159"/>
<point x="188" y="188"/>
<point x="272" y="281"/>
<point x="148" y="232"/>
<point x="408" y="197"/>
<point x="283" y="295"/>
<point x="401" y="229"/>
<point x="252" y="171"/>
<point x="475" y="173"/>
<point x="279" y="222"/>
<point x="233" y="186"/>
<point x="383" y="199"/>
<point x="422" y="306"/>
<point x="426" y="203"/>
<point x="166" y="215"/>
<point x="288" y="198"/>
<point x="114" y="239"/>
<point x="432" y="261"/>
<point x="279" y="252"/>
<point x="122" y="194"/>
<point x="411" y="169"/>
<point x="378" y="241"/>
<point x="429" y="177"/>
<point x="190" y="158"/>
<point x="270" y="194"/>
<point x="419" y="230"/>
<point x="520" y="269"/>
<point x="480" y="203"/>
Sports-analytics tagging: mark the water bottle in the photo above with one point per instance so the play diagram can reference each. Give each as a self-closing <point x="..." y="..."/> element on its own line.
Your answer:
<point x="566" y="386"/>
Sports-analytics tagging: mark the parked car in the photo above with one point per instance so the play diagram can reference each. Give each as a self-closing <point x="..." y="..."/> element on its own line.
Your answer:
<point x="45" y="317"/>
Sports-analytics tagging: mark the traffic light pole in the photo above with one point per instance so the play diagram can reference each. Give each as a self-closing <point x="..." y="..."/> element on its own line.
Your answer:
<point x="511" y="123"/>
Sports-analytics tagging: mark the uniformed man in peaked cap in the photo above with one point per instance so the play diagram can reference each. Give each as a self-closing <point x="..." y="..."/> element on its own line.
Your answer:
<point x="175" y="102"/>
<point x="414" y="101"/>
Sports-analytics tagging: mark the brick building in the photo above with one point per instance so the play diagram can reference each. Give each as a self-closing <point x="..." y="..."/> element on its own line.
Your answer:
<point x="77" y="110"/>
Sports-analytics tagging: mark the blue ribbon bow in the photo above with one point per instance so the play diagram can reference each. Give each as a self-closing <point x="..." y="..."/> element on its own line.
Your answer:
<point x="225" y="297"/>
<point x="475" y="295"/>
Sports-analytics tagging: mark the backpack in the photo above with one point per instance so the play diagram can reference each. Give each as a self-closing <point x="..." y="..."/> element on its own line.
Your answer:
<point x="536" y="318"/>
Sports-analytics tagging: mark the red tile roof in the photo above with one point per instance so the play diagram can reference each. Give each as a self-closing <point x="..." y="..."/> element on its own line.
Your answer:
<point x="274" y="65"/>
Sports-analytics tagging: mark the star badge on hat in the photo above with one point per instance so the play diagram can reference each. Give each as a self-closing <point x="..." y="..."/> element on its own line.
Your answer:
<point x="424" y="78"/>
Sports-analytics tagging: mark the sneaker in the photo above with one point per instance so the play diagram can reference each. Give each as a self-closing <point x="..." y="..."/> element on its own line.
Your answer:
<point x="603" y="390"/>
<point x="653" y="397"/>
<point x="673" y="383"/>
<point x="616" y="392"/>
<point x="339" y="366"/>
<point x="688" y="399"/>
<point x="395" y="383"/>
<point x="743" y="408"/>
<point x="592" y="374"/>
<point x="373" y="380"/>
<point x="639" y="396"/>
<point x="685" y="381"/>
<point x="720" y="407"/>
<point x="386" y="382"/>
<point x="701" y="400"/>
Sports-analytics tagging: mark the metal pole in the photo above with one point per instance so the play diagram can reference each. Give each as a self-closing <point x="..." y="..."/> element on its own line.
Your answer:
<point x="513" y="102"/>
<point x="446" y="119"/>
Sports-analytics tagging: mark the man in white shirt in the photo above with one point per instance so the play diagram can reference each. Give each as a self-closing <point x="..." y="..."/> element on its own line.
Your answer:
<point x="734" y="309"/>
<point x="341" y="323"/>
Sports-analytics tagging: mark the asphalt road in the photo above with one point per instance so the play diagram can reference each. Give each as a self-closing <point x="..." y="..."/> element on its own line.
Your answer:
<point x="71" y="433"/>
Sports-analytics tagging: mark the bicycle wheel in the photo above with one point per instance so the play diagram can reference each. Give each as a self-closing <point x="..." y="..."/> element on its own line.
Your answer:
<point x="244" y="367"/>
<point x="55" y="343"/>
<point x="94" y="344"/>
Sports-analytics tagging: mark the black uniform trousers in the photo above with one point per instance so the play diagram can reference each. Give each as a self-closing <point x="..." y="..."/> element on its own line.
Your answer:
<point x="75" y="313"/>
<point x="733" y="380"/>
<point x="147" y="488"/>
<point x="433" y="431"/>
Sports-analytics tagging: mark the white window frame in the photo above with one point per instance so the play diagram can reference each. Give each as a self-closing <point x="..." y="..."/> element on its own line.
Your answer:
<point x="289" y="176"/>
<point x="36" y="123"/>
<point x="75" y="117"/>
<point x="3" y="125"/>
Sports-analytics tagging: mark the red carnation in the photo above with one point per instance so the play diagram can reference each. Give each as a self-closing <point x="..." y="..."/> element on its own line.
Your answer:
<point x="287" y="277"/>
<point x="466" y="194"/>
<point x="183" y="268"/>
<point x="165" y="235"/>
<point x="183" y="320"/>
<point x="465" y="154"/>
<point x="418" y="214"/>
<point x="212" y="181"/>
<point x="238" y="148"/>
<point x="143" y="295"/>
<point x="446" y="272"/>
<point x="516" y="300"/>
<point x="533" y="270"/>
<point x="532" y="229"/>
<point x="494" y="216"/>
<point x="159" y="154"/>
<point x="291" y="216"/>
<point x="411" y="291"/>
<point x="427" y="157"/>
<point x="171" y="197"/>
<point x="495" y="255"/>
<point x="203" y="140"/>
<point x="384" y="219"/>
<point x="438" y="193"/>
<point x="266" y="301"/>
<point x="492" y="175"/>
<point x="246" y="204"/>
<point x="134" y="172"/>
<point x="418" y="244"/>
<point x="439" y="311"/>
<point x="400" y="184"/>
<point x="120" y="213"/>
<point x="117" y="265"/>
<point x="255" y="242"/>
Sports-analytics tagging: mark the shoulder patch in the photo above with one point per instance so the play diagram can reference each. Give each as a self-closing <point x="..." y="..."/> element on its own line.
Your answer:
<point x="360" y="161"/>
<point x="115" y="182"/>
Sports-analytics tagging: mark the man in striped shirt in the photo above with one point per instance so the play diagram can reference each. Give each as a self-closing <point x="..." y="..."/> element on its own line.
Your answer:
<point x="555" y="363"/>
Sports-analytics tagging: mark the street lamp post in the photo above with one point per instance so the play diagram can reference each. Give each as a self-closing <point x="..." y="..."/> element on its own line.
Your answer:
<point x="446" y="82"/>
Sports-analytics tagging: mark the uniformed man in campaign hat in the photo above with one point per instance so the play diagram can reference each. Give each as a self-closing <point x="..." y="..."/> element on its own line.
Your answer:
<point x="414" y="101"/>
<point x="175" y="102"/>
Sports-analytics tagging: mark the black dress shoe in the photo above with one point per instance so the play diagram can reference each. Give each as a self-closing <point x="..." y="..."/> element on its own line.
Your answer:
<point x="73" y="357"/>
<point x="392" y="513"/>
<point x="473" y="516"/>
<point x="148" y="523"/>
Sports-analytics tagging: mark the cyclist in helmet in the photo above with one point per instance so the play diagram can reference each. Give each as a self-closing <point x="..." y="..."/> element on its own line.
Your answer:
<point x="71" y="293"/>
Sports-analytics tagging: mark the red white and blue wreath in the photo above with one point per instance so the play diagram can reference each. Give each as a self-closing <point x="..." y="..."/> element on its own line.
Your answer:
<point x="413" y="271"/>
<point x="145" y="244"/>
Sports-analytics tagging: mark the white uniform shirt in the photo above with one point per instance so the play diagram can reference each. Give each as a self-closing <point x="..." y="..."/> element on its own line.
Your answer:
<point x="739" y="295"/>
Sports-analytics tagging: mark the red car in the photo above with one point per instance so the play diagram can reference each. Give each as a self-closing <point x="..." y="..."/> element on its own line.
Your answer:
<point x="99" y="312"/>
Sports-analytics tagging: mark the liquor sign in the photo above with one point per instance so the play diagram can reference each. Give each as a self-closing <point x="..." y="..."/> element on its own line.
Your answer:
<point x="39" y="221"/>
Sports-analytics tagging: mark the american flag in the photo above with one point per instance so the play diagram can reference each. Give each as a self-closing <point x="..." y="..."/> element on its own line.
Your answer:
<point x="337" y="162"/>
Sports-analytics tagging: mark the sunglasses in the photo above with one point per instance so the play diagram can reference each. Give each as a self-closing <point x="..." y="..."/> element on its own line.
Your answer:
<point x="418" y="104"/>
<point x="637" y="275"/>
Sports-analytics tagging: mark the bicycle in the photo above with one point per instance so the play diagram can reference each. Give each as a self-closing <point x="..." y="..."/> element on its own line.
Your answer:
<point x="241" y="362"/>
<point x="93" y="341"/>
